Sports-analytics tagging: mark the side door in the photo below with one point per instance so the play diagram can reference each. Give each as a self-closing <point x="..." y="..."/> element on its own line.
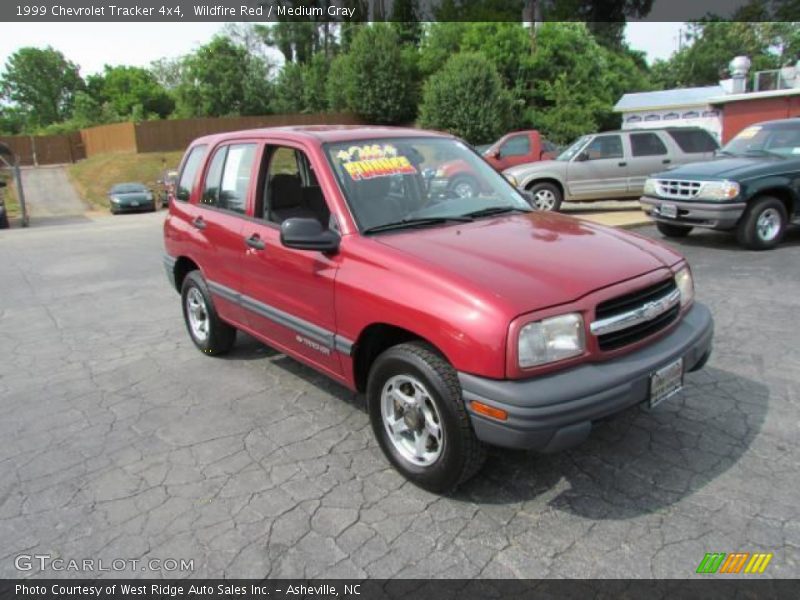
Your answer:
<point x="600" y="170"/>
<point x="649" y="154"/>
<point x="221" y="208"/>
<point x="288" y="294"/>
<point x="515" y="150"/>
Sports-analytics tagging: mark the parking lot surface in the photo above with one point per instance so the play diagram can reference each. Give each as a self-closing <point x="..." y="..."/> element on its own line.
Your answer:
<point x="121" y="441"/>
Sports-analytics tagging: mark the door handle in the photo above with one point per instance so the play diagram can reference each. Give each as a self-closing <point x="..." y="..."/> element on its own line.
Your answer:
<point x="666" y="161"/>
<point x="199" y="223"/>
<point x="622" y="164"/>
<point x="254" y="241"/>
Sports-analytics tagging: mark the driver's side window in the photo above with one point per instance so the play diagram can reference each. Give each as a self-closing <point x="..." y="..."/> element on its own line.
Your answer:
<point x="289" y="188"/>
<point x="604" y="147"/>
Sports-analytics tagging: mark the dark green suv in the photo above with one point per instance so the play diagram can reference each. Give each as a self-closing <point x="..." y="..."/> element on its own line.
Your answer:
<point x="752" y="187"/>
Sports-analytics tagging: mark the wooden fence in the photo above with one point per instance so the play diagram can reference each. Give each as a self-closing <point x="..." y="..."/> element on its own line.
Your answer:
<point x="150" y="136"/>
<point x="46" y="149"/>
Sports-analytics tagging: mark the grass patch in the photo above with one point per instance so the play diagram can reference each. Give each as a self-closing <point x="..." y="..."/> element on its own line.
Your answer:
<point x="94" y="176"/>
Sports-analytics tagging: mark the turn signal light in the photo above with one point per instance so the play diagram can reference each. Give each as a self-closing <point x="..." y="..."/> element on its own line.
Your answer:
<point x="489" y="411"/>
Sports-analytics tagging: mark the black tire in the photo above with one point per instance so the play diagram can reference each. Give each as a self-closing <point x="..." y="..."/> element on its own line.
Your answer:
<point x="462" y="182"/>
<point x="545" y="188"/>
<point x="462" y="454"/>
<point x="220" y="336"/>
<point x="749" y="232"/>
<point x="671" y="230"/>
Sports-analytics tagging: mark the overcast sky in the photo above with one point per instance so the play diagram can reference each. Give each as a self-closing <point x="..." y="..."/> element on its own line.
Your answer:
<point x="92" y="45"/>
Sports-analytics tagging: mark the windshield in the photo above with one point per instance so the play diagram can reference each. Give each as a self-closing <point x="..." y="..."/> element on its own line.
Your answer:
<point x="418" y="181"/>
<point x="574" y="148"/>
<point x="128" y="188"/>
<point x="758" y="140"/>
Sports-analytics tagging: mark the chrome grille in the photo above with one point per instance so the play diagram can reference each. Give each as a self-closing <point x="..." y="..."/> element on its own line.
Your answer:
<point x="678" y="189"/>
<point x="627" y="319"/>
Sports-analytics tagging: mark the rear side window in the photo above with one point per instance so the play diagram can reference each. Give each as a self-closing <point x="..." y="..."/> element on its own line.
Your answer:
<point x="228" y="177"/>
<point x="647" y="144"/>
<point x="697" y="140"/>
<point x="189" y="173"/>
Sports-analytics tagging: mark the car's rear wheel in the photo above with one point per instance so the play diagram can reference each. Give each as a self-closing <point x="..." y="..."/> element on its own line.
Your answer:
<point x="671" y="230"/>
<point x="419" y="418"/>
<point x="209" y="333"/>
<point x="546" y="196"/>
<point x="763" y="224"/>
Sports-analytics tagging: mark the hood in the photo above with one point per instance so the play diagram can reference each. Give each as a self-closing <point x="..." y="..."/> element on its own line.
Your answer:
<point x="551" y="166"/>
<point x="534" y="260"/>
<point x="723" y="168"/>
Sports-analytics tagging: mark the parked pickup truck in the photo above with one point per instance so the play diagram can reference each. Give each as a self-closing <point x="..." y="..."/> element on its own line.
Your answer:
<point x="612" y="165"/>
<point x="465" y="321"/>
<point x="753" y="188"/>
<point x="512" y="149"/>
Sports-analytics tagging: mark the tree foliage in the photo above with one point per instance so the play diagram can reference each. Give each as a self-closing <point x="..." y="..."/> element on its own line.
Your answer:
<point x="220" y="79"/>
<point x="378" y="82"/>
<point x="467" y="97"/>
<point x="42" y="83"/>
<point x="126" y="88"/>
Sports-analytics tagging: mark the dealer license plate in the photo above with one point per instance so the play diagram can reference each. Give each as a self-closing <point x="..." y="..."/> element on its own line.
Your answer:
<point x="666" y="382"/>
<point x="669" y="210"/>
<point x="134" y="203"/>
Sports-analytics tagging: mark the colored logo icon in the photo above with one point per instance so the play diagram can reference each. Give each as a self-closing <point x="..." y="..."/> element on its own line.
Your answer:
<point x="736" y="562"/>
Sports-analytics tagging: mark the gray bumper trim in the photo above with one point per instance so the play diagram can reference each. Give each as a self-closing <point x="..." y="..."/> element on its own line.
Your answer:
<point x="169" y="267"/>
<point x="696" y="214"/>
<point x="555" y="411"/>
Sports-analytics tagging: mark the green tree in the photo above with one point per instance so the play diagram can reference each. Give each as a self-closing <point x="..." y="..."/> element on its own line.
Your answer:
<point x="379" y="81"/>
<point x="315" y="79"/>
<point x="42" y="83"/>
<point x="405" y="18"/>
<point x="338" y="77"/>
<point x="573" y="82"/>
<point x="466" y="97"/>
<point x="711" y="44"/>
<point x="221" y="79"/>
<point x="125" y="88"/>
<point x="440" y="41"/>
<point x="289" y="94"/>
<point x="12" y="120"/>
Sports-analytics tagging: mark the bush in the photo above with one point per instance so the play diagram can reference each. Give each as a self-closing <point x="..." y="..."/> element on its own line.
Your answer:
<point x="378" y="80"/>
<point x="467" y="98"/>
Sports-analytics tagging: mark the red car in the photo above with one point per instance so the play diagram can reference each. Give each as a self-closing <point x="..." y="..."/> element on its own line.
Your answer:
<point x="465" y="321"/>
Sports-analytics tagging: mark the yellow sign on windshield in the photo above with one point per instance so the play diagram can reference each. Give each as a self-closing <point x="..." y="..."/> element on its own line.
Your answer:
<point x="367" y="162"/>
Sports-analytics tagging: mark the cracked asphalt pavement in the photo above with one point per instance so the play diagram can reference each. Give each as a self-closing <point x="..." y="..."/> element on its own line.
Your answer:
<point x="118" y="439"/>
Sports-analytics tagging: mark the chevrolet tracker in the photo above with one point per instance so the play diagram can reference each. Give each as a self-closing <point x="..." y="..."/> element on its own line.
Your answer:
<point x="465" y="320"/>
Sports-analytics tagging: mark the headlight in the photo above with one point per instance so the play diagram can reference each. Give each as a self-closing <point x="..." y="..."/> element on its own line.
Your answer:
<point x="114" y="199"/>
<point x="683" y="279"/>
<point x="551" y="339"/>
<point x="650" y="188"/>
<point x="512" y="180"/>
<point x="718" y="190"/>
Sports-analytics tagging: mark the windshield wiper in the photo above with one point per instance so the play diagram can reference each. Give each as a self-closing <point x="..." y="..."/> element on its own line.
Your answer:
<point x="417" y="222"/>
<point x="494" y="210"/>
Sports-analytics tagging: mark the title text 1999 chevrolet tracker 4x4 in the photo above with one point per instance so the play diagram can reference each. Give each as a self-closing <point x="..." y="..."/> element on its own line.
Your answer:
<point x="465" y="320"/>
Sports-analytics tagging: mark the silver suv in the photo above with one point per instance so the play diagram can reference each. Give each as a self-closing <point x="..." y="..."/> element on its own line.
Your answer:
<point x="610" y="166"/>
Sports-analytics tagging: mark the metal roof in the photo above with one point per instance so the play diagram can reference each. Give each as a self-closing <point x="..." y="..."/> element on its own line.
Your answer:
<point x="754" y="95"/>
<point x="668" y="98"/>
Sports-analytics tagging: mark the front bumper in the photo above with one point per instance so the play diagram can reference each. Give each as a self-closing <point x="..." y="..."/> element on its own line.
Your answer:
<point x="127" y="207"/>
<point x="696" y="214"/>
<point x="556" y="411"/>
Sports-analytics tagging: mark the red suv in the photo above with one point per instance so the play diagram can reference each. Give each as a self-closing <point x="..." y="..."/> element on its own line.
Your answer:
<point x="466" y="321"/>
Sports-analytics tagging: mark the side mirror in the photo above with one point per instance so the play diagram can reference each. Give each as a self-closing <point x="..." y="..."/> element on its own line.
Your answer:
<point x="582" y="156"/>
<point x="495" y="153"/>
<point x="308" y="234"/>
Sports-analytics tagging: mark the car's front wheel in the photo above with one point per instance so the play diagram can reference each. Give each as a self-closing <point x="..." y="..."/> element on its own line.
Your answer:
<point x="209" y="333"/>
<point x="546" y="196"/>
<point x="673" y="231"/>
<point x="419" y="418"/>
<point x="763" y="224"/>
